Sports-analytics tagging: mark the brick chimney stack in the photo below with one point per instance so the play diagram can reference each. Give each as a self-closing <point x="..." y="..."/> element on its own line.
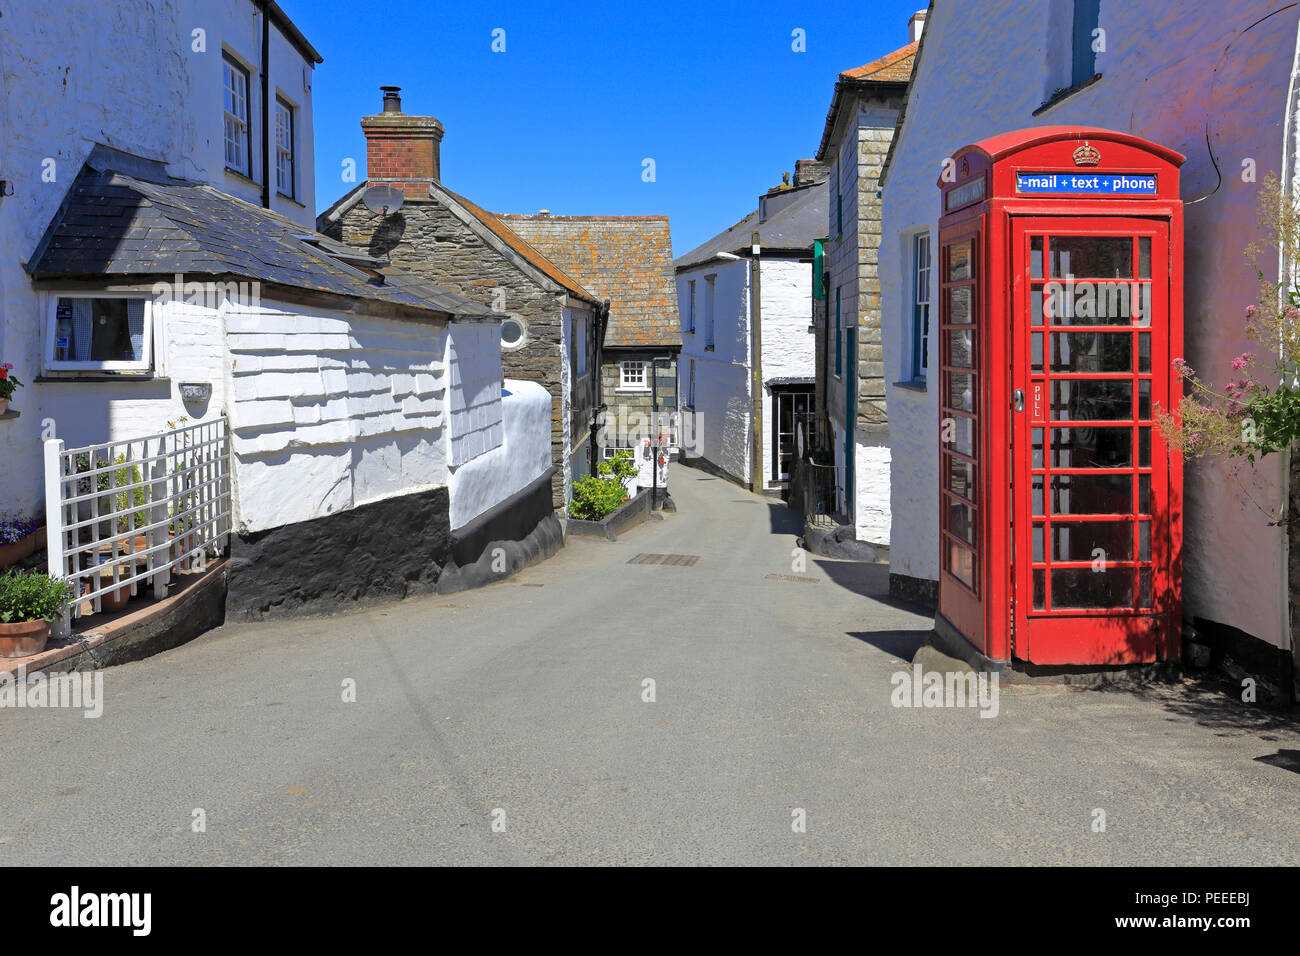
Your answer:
<point x="401" y="150"/>
<point x="916" y="26"/>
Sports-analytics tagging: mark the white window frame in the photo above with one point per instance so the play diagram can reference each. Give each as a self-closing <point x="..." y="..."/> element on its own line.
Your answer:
<point x="51" y="305"/>
<point x="282" y="154"/>
<point x="232" y="69"/>
<point x="920" y="329"/>
<point x="710" y="305"/>
<point x="625" y="384"/>
<point x="690" y="310"/>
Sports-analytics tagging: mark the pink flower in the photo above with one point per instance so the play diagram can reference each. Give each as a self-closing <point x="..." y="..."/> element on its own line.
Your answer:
<point x="1250" y="311"/>
<point x="1242" y="360"/>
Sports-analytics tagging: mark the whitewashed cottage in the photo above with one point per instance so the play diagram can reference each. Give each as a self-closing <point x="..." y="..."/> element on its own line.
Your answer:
<point x="1214" y="82"/>
<point x="748" y="364"/>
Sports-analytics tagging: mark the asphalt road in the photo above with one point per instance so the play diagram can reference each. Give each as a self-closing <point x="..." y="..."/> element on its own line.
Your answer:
<point x="521" y="706"/>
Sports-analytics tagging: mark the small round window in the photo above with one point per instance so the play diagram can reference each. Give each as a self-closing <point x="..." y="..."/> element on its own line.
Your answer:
<point x="512" y="333"/>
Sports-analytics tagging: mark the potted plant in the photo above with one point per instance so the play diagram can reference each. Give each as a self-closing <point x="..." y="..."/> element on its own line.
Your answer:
<point x="19" y="538"/>
<point x="28" y="603"/>
<point x="7" y="385"/>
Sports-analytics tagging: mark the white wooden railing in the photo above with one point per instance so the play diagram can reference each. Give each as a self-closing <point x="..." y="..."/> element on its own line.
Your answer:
<point x="123" y="515"/>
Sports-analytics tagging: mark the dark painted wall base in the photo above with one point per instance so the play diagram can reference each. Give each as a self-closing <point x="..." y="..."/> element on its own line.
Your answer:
<point x="378" y="551"/>
<point x="387" y="550"/>
<point x="920" y="591"/>
<point x="1260" y="658"/>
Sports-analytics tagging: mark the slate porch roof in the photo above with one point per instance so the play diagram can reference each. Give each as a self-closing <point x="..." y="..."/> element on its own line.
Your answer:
<point x="626" y="259"/>
<point x="146" y="224"/>
<point x="792" y="229"/>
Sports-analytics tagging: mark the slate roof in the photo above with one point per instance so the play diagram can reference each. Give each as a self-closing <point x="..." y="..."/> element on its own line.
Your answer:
<point x="145" y="224"/>
<point x="792" y="228"/>
<point x="626" y="259"/>
<point x="892" y="68"/>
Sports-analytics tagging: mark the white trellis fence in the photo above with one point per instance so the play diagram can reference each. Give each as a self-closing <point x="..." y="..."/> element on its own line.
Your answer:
<point x="123" y="515"/>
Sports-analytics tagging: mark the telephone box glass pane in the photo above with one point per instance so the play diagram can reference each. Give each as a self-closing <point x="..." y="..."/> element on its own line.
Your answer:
<point x="959" y="310"/>
<point x="1093" y="303"/>
<point x="1093" y="399"/>
<point x="963" y="436"/>
<point x="961" y="563"/>
<point x="1092" y="257"/>
<point x="1086" y="588"/>
<point x="1038" y="542"/>
<point x="1036" y="486"/>
<point x="1144" y="257"/>
<point x="961" y="477"/>
<point x="961" y="520"/>
<point x="1092" y="352"/>
<point x="1144" y="587"/>
<point x="961" y="391"/>
<point x="1144" y="351"/>
<point x="1144" y="398"/>
<point x="959" y="262"/>
<point x="1098" y="494"/>
<point x="1036" y="351"/>
<point x="1040" y="589"/>
<point x="1102" y="447"/>
<point x="1036" y="257"/>
<point x="1036" y="294"/>
<point x="1036" y="447"/>
<point x="1079" y="540"/>
<point x="961" y="348"/>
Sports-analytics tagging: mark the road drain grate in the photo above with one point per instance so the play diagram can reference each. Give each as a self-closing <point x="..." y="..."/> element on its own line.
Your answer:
<point x="797" y="578"/>
<point x="678" y="560"/>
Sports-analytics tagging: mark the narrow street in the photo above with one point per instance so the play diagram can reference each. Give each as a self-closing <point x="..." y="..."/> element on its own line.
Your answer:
<point x="772" y="694"/>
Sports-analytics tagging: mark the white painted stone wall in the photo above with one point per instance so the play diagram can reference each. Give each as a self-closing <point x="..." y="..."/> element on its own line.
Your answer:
<point x="788" y="346"/>
<point x="873" y="520"/>
<point x="329" y="411"/>
<point x="474" y="364"/>
<point x="523" y="455"/>
<point x="122" y="74"/>
<point x="723" y="396"/>
<point x="1174" y="71"/>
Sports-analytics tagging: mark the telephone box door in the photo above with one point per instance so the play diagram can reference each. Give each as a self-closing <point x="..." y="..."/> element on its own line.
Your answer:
<point x="1090" y="522"/>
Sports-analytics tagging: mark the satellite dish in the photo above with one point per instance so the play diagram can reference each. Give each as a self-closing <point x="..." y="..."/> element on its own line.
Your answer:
<point x="384" y="200"/>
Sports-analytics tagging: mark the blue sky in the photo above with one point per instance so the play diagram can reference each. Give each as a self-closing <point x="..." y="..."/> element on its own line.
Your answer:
<point x="563" y="119"/>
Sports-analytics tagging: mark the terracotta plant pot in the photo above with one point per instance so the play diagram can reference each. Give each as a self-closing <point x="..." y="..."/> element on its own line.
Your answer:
<point x="24" y="639"/>
<point x="111" y="600"/>
<point x="4" y="405"/>
<point x="13" y="553"/>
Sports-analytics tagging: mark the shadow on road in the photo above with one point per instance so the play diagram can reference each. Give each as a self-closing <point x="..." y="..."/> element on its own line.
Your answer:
<point x="901" y="644"/>
<point x="1215" y="703"/>
<point x="784" y="521"/>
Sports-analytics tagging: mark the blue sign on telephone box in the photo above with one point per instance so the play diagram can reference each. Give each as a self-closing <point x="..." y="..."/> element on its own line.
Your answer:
<point x="1087" y="184"/>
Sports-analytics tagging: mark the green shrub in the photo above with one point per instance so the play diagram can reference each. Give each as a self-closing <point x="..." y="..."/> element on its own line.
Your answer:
<point x="597" y="497"/>
<point x="28" y="596"/>
<point x="121" y="477"/>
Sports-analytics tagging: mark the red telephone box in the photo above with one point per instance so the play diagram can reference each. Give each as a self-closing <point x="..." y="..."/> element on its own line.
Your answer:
<point x="1060" y="311"/>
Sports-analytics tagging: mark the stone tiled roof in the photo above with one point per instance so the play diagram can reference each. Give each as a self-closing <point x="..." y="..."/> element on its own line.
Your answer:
<point x="538" y="260"/>
<point x="115" y="224"/>
<point x="894" y="67"/>
<point x="626" y="259"/>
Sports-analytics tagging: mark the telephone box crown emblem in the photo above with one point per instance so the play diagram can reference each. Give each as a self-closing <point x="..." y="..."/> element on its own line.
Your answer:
<point x="1087" y="155"/>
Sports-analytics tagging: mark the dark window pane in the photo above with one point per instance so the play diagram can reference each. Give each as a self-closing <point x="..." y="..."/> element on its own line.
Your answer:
<point x="1144" y="351"/>
<point x="1036" y="304"/>
<point x="1144" y="588"/>
<point x="1040" y="589"/>
<point x="1036" y="257"/>
<point x="1144" y="494"/>
<point x="1092" y="494"/>
<point x="1144" y="257"/>
<point x="1092" y="257"/>
<point x="1093" y="399"/>
<point x="1086" y="588"/>
<point x="1144" y="398"/>
<point x="1038" y="535"/>
<point x="1036" y="351"/>
<point x="1036" y="446"/>
<point x="1077" y="540"/>
<point x="1092" y="447"/>
<point x="1144" y="447"/>
<point x="1144" y="540"/>
<point x="1092" y="352"/>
